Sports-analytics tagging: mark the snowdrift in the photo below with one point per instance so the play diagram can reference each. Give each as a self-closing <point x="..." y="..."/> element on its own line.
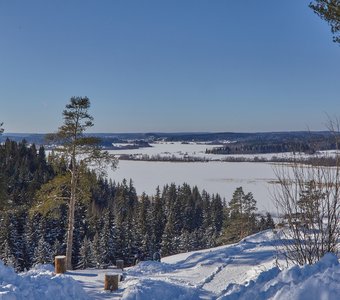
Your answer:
<point x="318" y="281"/>
<point x="38" y="283"/>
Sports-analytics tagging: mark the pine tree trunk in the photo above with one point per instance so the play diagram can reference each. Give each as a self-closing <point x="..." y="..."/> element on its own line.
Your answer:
<point x="69" y="241"/>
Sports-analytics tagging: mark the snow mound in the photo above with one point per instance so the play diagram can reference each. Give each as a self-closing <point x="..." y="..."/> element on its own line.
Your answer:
<point x="148" y="289"/>
<point x="150" y="267"/>
<point x="318" y="281"/>
<point x="39" y="283"/>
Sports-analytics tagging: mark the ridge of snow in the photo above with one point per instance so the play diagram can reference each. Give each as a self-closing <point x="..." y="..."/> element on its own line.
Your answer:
<point x="318" y="281"/>
<point x="38" y="283"/>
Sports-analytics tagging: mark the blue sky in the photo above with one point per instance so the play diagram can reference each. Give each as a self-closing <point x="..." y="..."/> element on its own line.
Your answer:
<point x="168" y="65"/>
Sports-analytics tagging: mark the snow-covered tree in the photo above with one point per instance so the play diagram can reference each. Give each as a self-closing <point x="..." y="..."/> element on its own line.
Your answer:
<point x="86" y="259"/>
<point x="42" y="253"/>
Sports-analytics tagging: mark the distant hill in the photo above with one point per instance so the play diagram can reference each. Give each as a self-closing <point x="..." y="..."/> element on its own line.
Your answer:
<point x="260" y="142"/>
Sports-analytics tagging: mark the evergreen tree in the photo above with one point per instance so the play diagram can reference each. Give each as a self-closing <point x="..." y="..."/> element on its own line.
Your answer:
<point x="96" y="250"/>
<point x="262" y="223"/>
<point x="187" y="204"/>
<point x="57" y="248"/>
<point x="184" y="242"/>
<point x="86" y="255"/>
<point x="107" y="240"/>
<point x="32" y="235"/>
<point x="79" y="151"/>
<point x="42" y="253"/>
<point x="7" y="257"/>
<point x="217" y="213"/>
<point x="198" y="207"/>
<point x="168" y="247"/>
<point x="270" y="224"/>
<point x="143" y="230"/>
<point x="241" y="219"/>
<point x="329" y="10"/>
<point x="157" y="220"/>
<point x="15" y="240"/>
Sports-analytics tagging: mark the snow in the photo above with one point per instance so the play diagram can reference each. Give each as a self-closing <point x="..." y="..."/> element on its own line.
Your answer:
<point x="38" y="283"/>
<point x="152" y="289"/>
<point x="246" y="270"/>
<point x="319" y="281"/>
<point x="197" y="150"/>
<point x="215" y="177"/>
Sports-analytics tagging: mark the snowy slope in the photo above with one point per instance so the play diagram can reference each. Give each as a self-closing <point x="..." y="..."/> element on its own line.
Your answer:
<point x="242" y="271"/>
<point x="207" y="272"/>
<point x="246" y="270"/>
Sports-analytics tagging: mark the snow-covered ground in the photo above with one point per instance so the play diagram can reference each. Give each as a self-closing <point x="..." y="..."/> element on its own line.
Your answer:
<point x="246" y="270"/>
<point x="39" y="283"/>
<point x="214" y="176"/>
<point x="179" y="150"/>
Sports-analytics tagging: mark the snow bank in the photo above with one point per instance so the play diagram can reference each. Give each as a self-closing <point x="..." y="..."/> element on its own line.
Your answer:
<point x="148" y="289"/>
<point x="150" y="267"/>
<point x="318" y="281"/>
<point x="39" y="283"/>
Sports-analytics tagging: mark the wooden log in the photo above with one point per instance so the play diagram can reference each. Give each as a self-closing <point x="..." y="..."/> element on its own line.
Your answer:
<point x="60" y="264"/>
<point x="111" y="282"/>
<point x="120" y="264"/>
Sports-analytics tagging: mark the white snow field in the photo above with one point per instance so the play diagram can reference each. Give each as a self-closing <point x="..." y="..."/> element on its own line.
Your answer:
<point x="246" y="270"/>
<point x="214" y="176"/>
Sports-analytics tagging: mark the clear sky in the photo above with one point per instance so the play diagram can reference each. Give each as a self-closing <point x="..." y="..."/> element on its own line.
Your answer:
<point x="168" y="65"/>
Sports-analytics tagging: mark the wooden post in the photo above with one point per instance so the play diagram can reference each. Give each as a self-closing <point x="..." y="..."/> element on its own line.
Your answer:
<point x="120" y="264"/>
<point x="111" y="282"/>
<point x="60" y="264"/>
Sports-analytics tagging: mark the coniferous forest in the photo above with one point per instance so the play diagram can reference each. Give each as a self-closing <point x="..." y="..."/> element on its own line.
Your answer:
<point x="111" y="220"/>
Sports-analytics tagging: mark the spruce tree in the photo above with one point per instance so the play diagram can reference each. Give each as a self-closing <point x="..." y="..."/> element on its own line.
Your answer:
<point x="107" y="239"/>
<point x="96" y="250"/>
<point x="42" y="253"/>
<point x="7" y="257"/>
<point x="168" y="247"/>
<point x="270" y="224"/>
<point x="86" y="255"/>
<point x="157" y="220"/>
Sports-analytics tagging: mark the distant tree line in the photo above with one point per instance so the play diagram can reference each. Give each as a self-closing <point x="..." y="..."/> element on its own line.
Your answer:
<point x="158" y="157"/>
<point x="261" y="147"/>
<point x="318" y="160"/>
<point x="111" y="221"/>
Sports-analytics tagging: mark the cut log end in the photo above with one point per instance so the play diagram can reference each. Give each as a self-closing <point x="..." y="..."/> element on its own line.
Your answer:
<point x="111" y="282"/>
<point x="120" y="264"/>
<point x="60" y="264"/>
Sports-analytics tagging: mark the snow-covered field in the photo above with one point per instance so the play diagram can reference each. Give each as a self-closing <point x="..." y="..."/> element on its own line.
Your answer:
<point x="179" y="150"/>
<point x="246" y="270"/>
<point x="213" y="176"/>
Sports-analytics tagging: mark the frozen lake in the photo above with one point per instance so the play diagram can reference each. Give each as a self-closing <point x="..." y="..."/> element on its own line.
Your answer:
<point x="214" y="176"/>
